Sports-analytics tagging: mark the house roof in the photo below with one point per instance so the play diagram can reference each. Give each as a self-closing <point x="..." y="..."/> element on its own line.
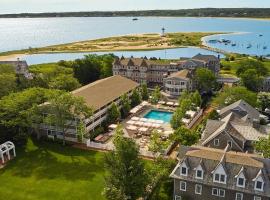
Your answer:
<point x="140" y="62"/>
<point x="183" y="74"/>
<point x="232" y="162"/>
<point x="247" y="111"/>
<point x="104" y="91"/>
<point x="232" y="125"/>
<point x="206" y="58"/>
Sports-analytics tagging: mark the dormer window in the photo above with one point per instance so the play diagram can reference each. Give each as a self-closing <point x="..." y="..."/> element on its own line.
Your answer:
<point x="259" y="185"/>
<point x="219" y="175"/>
<point x="216" y="142"/>
<point x="241" y="182"/>
<point x="199" y="172"/>
<point x="183" y="169"/>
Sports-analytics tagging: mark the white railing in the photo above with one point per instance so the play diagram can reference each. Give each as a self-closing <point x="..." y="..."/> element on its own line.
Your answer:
<point x="96" y="145"/>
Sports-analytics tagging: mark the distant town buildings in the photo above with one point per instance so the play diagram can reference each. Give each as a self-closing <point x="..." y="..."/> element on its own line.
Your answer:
<point x="209" y="174"/>
<point x="161" y="72"/>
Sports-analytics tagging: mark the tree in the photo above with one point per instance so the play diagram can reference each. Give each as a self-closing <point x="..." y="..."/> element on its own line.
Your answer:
<point x="135" y="98"/>
<point x="8" y="84"/>
<point x="144" y="92"/>
<point x="16" y="111"/>
<point x="125" y="102"/>
<point x="205" y="78"/>
<point x="62" y="111"/>
<point x="251" y="80"/>
<point x="185" y="136"/>
<point x="126" y="177"/>
<point x="156" y="144"/>
<point x="64" y="82"/>
<point x="113" y="114"/>
<point x="264" y="100"/>
<point x="247" y="64"/>
<point x="156" y="95"/>
<point x="262" y="146"/>
<point x="233" y="94"/>
<point x="176" y="120"/>
<point x="196" y="99"/>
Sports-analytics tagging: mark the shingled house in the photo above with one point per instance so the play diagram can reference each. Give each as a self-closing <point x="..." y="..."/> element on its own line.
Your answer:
<point x="238" y="126"/>
<point x="211" y="174"/>
<point x="143" y="70"/>
<point x="20" y="67"/>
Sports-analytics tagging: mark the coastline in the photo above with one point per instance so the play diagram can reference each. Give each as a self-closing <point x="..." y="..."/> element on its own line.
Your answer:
<point x="130" y="42"/>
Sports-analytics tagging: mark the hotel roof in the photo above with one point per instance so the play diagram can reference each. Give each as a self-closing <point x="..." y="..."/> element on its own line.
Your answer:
<point x="104" y="91"/>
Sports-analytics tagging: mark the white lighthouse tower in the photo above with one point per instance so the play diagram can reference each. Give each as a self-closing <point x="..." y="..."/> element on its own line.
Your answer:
<point x="163" y="32"/>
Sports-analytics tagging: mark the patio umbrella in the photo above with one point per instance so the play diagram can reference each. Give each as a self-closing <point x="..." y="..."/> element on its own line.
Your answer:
<point x="113" y="126"/>
<point x="138" y="123"/>
<point x="170" y="103"/>
<point x="135" y="118"/>
<point x="159" y="121"/>
<point x="132" y="128"/>
<point x="143" y="120"/>
<point x="131" y="122"/>
<point x="143" y="129"/>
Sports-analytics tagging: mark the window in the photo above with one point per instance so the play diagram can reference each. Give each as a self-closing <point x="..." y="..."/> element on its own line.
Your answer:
<point x="221" y="193"/>
<point x="257" y="198"/>
<point x="240" y="182"/>
<point x="176" y="197"/>
<point x="183" y="186"/>
<point x="220" y="178"/>
<point x="183" y="171"/>
<point x="230" y="143"/>
<point x="259" y="185"/>
<point x="199" y="174"/>
<point x="216" y="142"/>
<point x="215" y="191"/>
<point x="218" y="192"/>
<point x="198" y="189"/>
<point x="239" y="196"/>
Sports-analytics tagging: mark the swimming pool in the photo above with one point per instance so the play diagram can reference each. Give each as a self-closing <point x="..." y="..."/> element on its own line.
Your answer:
<point x="159" y="115"/>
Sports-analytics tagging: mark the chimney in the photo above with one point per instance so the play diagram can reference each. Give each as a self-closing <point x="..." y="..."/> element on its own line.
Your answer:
<point x="256" y="123"/>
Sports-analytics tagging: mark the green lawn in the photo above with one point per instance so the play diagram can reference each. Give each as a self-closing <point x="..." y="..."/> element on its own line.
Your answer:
<point x="51" y="171"/>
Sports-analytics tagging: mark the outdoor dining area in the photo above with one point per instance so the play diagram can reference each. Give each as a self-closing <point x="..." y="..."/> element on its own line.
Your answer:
<point x="169" y="103"/>
<point x="139" y="107"/>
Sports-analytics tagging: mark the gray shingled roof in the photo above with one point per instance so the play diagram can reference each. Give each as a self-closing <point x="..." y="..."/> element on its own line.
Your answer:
<point x="233" y="163"/>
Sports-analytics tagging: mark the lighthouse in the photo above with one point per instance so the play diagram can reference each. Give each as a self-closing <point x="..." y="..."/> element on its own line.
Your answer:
<point x="163" y="32"/>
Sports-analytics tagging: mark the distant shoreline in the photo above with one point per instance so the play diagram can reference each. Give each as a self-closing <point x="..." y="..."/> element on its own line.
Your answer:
<point x="248" y="13"/>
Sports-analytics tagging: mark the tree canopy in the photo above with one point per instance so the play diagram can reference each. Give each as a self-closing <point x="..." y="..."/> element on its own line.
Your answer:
<point x="233" y="94"/>
<point x="127" y="178"/>
<point x="113" y="114"/>
<point x="205" y="78"/>
<point x="264" y="100"/>
<point x="262" y="146"/>
<point x="135" y="98"/>
<point x="185" y="136"/>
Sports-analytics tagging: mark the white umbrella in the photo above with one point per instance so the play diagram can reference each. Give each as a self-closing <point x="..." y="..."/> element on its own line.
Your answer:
<point x="131" y="122"/>
<point x="135" y="118"/>
<point x="143" y="120"/>
<point x="132" y="128"/>
<point x="170" y="103"/>
<point x="113" y="126"/>
<point x="151" y="120"/>
<point x="143" y="129"/>
<point x="138" y="123"/>
<point x="159" y="121"/>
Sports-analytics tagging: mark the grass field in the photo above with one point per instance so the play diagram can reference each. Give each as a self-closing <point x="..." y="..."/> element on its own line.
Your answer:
<point x="51" y="171"/>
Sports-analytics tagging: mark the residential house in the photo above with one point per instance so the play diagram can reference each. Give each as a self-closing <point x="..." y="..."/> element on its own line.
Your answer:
<point x="99" y="96"/>
<point x="210" y="174"/>
<point x="178" y="82"/>
<point x="266" y="85"/>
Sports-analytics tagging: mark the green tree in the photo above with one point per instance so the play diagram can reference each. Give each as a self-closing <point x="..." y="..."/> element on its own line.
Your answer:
<point x="144" y="92"/>
<point x="125" y="102"/>
<point x="251" y="80"/>
<point x="185" y="136"/>
<point x="8" y="84"/>
<point x="113" y="114"/>
<point x="185" y="95"/>
<point x="247" y="64"/>
<point x="205" y="78"/>
<point x="126" y="177"/>
<point x="156" y="95"/>
<point x="196" y="99"/>
<point x="233" y="94"/>
<point x="176" y="120"/>
<point x="135" y="98"/>
<point x="264" y="100"/>
<point x="64" y="110"/>
<point x="7" y="69"/>
<point x="64" y="82"/>
<point x="156" y="143"/>
<point x="262" y="146"/>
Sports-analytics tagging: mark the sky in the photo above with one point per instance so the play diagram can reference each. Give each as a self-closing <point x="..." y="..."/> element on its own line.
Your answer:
<point x="19" y="6"/>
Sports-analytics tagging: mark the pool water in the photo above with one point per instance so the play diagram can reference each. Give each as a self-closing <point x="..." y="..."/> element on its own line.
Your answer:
<point x="159" y="115"/>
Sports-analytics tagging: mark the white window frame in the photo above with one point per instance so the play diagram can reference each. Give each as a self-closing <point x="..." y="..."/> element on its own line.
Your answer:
<point x="219" y="178"/>
<point x="213" y="189"/>
<point x="176" y="197"/>
<point x="257" y="198"/>
<point x="219" y="193"/>
<point x="181" y="171"/>
<point x="244" y="182"/>
<point x="183" y="183"/>
<point x="216" y="142"/>
<point x="241" y="196"/>
<point x="198" y="177"/>
<point x="258" y="189"/>
<point x="200" y="189"/>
